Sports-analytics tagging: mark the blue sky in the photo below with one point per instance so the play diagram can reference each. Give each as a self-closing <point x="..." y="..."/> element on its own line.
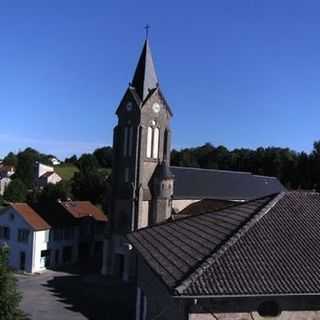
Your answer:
<point x="237" y="73"/>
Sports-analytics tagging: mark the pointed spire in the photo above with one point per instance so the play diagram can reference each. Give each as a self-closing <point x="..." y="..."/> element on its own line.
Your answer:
<point x="145" y="77"/>
<point x="163" y="171"/>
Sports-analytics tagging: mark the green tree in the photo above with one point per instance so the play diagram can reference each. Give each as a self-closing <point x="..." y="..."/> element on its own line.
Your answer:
<point x="87" y="163"/>
<point x="52" y="192"/>
<point x="9" y="296"/>
<point x="10" y="159"/>
<point x="73" y="160"/>
<point x="16" y="191"/>
<point x="26" y="166"/>
<point x="104" y="157"/>
<point x="89" y="186"/>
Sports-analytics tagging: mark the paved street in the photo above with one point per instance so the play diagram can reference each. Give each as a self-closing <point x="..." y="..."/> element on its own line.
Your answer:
<point x="74" y="296"/>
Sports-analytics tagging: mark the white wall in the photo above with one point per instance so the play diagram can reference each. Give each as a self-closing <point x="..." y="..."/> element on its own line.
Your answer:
<point x="39" y="244"/>
<point x="4" y="182"/>
<point x="179" y="205"/>
<point x="54" y="179"/>
<point x="42" y="169"/>
<point x="14" y="221"/>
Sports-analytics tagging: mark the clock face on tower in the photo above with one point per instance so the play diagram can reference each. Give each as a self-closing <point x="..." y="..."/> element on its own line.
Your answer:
<point x="129" y="106"/>
<point x="156" y="107"/>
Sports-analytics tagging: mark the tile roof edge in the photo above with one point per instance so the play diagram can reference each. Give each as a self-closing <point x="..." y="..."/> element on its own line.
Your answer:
<point x="232" y="199"/>
<point x="13" y="205"/>
<point x="233" y="204"/>
<point x="212" y="170"/>
<point x="228" y="243"/>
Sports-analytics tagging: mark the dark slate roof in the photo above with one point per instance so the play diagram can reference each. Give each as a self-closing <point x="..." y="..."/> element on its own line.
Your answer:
<point x="145" y="77"/>
<point x="269" y="246"/>
<point x="163" y="171"/>
<point x="176" y="249"/>
<point x="195" y="183"/>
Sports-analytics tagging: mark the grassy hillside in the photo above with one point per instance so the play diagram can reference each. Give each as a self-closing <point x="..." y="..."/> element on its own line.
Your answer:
<point x="66" y="171"/>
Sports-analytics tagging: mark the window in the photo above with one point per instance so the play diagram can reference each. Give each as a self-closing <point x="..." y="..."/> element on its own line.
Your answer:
<point x="128" y="141"/>
<point x="4" y="233"/>
<point x="67" y="254"/>
<point x="153" y="136"/>
<point x="165" y="144"/>
<point x="155" y="151"/>
<point x="99" y="228"/>
<point x="23" y="235"/>
<point x="125" y="141"/>
<point x="68" y="234"/>
<point x="126" y="175"/>
<point x="149" y="142"/>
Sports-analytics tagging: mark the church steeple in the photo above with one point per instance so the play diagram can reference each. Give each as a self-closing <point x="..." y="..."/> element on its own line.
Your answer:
<point x="142" y="184"/>
<point x="145" y="77"/>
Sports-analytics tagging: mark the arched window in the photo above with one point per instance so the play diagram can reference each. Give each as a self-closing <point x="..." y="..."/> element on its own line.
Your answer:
<point x="155" y="152"/>
<point x="149" y="142"/>
<point x="130" y="141"/>
<point x="165" y="144"/>
<point x="125" y="141"/>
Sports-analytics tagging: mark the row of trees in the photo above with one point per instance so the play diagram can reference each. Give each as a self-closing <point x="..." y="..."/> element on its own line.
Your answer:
<point x="296" y="170"/>
<point x="89" y="183"/>
<point x="101" y="157"/>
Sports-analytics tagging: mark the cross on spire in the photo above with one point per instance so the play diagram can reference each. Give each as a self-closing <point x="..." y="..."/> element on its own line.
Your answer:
<point x="147" y="27"/>
<point x="145" y="76"/>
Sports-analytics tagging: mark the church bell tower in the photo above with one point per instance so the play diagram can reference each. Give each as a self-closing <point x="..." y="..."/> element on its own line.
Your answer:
<point x="141" y="146"/>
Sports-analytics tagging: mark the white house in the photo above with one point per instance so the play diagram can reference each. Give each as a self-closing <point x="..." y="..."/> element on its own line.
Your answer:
<point x="55" y="161"/>
<point x="73" y="231"/>
<point x="7" y="171"/>
<point x="45" y="175"/>
<point x="41" y="169"/>
<point x="26" y="234"/>
<point x="4" y="182"/>
<point x="49" y="177"/>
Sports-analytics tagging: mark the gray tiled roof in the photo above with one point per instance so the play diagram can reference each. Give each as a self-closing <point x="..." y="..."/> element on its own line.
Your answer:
<point x="195" y="183"/>
<point x="175" y="250"/>
<point x="267" y="246"/>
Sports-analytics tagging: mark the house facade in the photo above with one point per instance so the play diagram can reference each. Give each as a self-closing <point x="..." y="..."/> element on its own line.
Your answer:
<point x="27" y="235"/>
<point x="37" y="242"/>
<point x="7" y="171"/>
<point x="4" y="183"/>
<point x="45" y="175"/>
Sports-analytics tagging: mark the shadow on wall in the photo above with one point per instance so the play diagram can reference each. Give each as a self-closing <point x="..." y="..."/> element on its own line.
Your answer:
<point x="96" y="297"/>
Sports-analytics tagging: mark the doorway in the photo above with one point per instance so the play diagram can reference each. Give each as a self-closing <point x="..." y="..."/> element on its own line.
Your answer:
<point x="57" y="255"/>
<point x="22" y="260"/>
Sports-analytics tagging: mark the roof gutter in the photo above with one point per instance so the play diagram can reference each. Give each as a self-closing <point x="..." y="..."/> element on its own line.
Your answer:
<point x="250" y="303"/>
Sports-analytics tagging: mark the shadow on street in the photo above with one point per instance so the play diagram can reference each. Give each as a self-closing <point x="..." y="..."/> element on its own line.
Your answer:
<point x="96" y="299"/>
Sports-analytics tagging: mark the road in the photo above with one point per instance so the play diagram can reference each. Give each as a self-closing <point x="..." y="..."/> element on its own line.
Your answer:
<point x="61" y="295"/>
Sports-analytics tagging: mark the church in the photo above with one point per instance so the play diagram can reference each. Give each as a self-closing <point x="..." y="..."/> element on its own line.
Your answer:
<point x="146" y="189"/>
<point x="204" y="244"/>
